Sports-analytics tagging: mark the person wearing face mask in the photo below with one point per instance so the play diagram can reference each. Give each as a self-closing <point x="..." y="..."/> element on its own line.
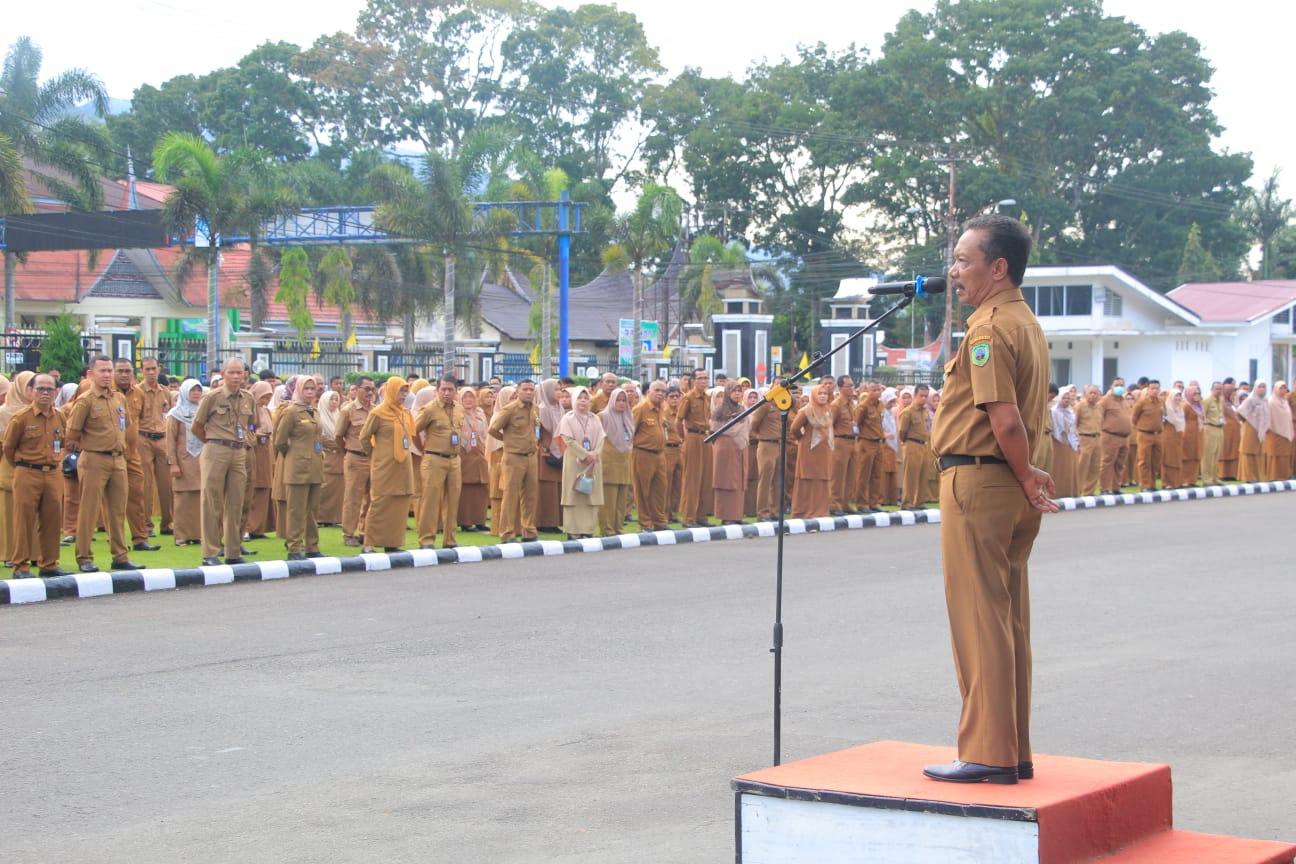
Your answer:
<point x="1116" y="428"/>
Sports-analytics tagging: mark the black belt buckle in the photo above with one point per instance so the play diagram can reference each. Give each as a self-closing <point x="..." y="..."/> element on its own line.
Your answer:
<point x="956" y="459"/>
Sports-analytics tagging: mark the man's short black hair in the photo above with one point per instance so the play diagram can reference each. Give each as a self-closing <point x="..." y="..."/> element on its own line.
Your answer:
<point x="1004" y="238"/>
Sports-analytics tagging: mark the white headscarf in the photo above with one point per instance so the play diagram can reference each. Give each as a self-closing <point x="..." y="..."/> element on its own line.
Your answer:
<point x="184" y="411"/>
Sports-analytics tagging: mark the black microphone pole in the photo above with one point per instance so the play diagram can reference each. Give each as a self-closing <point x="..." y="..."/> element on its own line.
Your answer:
<point x="781" y="397"/>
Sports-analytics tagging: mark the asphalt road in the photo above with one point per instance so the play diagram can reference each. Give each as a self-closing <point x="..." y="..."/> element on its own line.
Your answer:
<point x="594" y="707"/>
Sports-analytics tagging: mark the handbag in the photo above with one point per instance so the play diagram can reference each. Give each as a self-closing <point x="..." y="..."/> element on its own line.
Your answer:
<point x="584" y="484"/>
<point x="552" y="461"/>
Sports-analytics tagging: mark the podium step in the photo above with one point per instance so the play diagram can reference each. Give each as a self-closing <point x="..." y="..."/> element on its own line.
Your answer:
<point x="872" y="804"/>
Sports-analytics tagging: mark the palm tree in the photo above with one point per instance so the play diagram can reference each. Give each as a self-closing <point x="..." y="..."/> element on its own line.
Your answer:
<point x="1265" y="213"/>
<point x="642" y="234"/>
<point x="216" y="197"/>
<point x="706" y="255"/>
<point x="66" y="152"/>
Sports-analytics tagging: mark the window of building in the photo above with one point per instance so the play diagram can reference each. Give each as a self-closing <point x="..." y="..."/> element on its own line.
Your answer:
<point x="1048" y="300"/>
<point x="1113" y="307"/>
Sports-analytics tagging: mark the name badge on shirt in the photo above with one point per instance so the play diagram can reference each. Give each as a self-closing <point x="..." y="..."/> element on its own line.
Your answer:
<point x="454" y="439"/>
<point x="472" y="440"/>
<point x="318" y="447"/>
<point x="855" y="429"/>
<point x="405" y="442"/>
<point x="585" y="442"/>
<point x="121" y="419"/>
<point x="238" y="431"/>
<point x="537" y="431"/>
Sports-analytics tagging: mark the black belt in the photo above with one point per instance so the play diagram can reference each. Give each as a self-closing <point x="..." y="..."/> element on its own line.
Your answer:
<point x="1215" y="425"/>
<point x="36" y="467"/>
<point x="1141" y="432"/>
<point x="515" y="453"/>
<point x="106" y="452"/>
<point x="357" y="453"/>
<point x="672" y="446"/>
<point x="1090" y="434"/>
<point x="442" y="455"/>
<point x="695" y="431"/>
<point x="646" y="450"/>
<point x="1117" y="434"/>
<point x="767" y="440"/>
<point x="152" y="436"/>
<point x="956" y="459"/>
<point x="913" y="441"/>
<point x="233" y="445"/>
<point x="847" y="437"/>
<point x="873" y="440"/>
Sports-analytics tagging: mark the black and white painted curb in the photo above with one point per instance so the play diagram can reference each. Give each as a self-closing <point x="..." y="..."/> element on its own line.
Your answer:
<point x="35" y="590"/>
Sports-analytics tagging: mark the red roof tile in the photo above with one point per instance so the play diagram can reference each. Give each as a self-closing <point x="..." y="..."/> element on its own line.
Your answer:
<point x="1235" y="301"/>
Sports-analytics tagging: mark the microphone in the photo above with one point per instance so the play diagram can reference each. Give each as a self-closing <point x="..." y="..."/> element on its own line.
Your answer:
<point x="921" y="287"/>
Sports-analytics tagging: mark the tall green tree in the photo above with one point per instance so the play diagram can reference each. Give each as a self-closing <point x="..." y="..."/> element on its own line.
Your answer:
<point x="643" y="235"/>
<point x="294" y="290"/>
<point x="217" y="197"/>
<point x="1197" y="264"/>
<point x="1265" y="212"/>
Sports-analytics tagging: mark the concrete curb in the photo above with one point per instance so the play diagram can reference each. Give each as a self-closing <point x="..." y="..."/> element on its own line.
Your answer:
<point x="35" y="590"/>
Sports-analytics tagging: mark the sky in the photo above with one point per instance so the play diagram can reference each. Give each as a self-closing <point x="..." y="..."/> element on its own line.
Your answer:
<point x="134" y="42"/>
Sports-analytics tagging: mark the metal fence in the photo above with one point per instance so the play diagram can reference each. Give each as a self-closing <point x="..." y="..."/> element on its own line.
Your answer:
<point x="183" y="358"/>
<point x="22" y="352"/>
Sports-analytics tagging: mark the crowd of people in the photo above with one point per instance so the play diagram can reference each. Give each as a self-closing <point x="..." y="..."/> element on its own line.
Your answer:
<point x="241" y="459"/>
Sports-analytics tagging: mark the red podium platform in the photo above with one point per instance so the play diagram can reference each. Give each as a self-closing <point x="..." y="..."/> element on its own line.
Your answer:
<point x="872" y="804"/>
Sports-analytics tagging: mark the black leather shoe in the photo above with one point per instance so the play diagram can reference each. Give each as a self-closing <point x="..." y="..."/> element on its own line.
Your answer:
<point x="167" y="531"/>
<point x="232" y="561"/>
<point x="971" y="772"/>
<point x="530" y="539"/>
<point x="295" y="556"/>
<point x="144" y="546"/>
<point x="87" y="567"/>
<point x="314" y="554"/>
<point x="57" y="571"/>
<point x="1025" y="770"/>
<point x="211" y="562"/>
<point x="247" y="551"/>
<point x="126" y="565"/>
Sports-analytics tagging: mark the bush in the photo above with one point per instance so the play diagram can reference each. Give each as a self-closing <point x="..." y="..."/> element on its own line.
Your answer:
<point x="61" y="348"/>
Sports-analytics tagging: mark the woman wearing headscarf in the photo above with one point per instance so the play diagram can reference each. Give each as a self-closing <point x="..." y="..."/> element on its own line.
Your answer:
<point x="1191" y="442"/>
<point x="297" y="439"/>
<point x="750" y="397"/>
<point x="1254" y="410"/>
<point x="16" y="399"/>
<point x="259" y="520"/>
<point x="580" y="432"/>
<point x="812" y="430"/>
<point x="890" y="461"/>
<point x="182" y="451"/>
<point x="333" y="490"/>
<point x="385" y="438"/>
<point x="1278" y="443"/>
<point x="66" y="394"/>
<point x="278" y="491"/>
<point x="729" y="456"/>
<point x="549" y="498"/>
<point x="1066" y="444"/>
<point x="616" y="461"/>
<point x="495" y="458"/>
<point x="1174" y="424"/>
<point x="474" y="487"/>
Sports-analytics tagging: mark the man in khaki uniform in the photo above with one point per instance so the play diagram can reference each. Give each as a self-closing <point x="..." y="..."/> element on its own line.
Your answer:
<point x="440" y="423"/>
<point x="914" y="430"/>
<point x="693" y="424"/>
<point x="1116" y="428"/>
<point x="138" y="507"/>
<point x="221" y="423"/>
<point x="1089" y="428"/>
<point x="97" y="427"/>
<point x="517" y="424"/>
<point x="158" y="400"/>
<point x="766" y="429"/>
<point x="868" y="448"/>
<point x="1212" y="434"/>
<point x="649" y="458"/>
<point x="841" y="489"/>
<point x="603" y="392"/>
<point x="33" y="443"/>
<point x="674" y="458"/>
<point x="992" y="413"/>
<point x="1148" y="418"/>
<point x="355" y="464"/>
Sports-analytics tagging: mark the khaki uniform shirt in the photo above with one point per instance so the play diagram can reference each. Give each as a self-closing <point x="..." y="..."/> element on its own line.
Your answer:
<point x="1115" y="414"/>
<point x="518" y="426"/>
<point x="1147" y="415"/>
<point x="157" y="402"/>
<point x="441" y="426"/>
<point x="351" y="419"/>
<point x="100" y="417"/>
<point x="843" y="416"/>
<point x="226" y="416"/>
<point x="32" y="435"/>
<point x="695" y="411"/>
<point x="599" y="400"/>
<point x="649" y="426"/>
<point x="1003" y="358"/>
<point x="1088" y="418"/>
<point x="767" y="423"/>
<point x="868" y="417"/>
<point x="134" y="408"/>
<point x="1214" y="407"/>
<point x="297" y="437"/>
<point x="914" y="424"/>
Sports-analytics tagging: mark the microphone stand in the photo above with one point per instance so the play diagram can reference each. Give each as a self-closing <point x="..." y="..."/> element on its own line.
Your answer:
<point x="781" y="397"/>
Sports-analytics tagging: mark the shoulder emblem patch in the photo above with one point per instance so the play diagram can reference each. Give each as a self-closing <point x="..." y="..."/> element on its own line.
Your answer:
<point x="980" y="354"/>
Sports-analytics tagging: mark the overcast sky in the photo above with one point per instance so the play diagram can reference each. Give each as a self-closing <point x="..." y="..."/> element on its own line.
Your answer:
<point x="132" y="42"/>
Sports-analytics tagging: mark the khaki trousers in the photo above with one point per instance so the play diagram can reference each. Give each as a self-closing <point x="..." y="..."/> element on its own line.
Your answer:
<point x="157" y="479"/>
<point x="103" y="482"/>
<point x="1212" y="447"/>
<point x="1115" y="450"/>
<point x="650" y="481"/>
<point x="615" y="498"/>
<point x="917" y="468"/>
<point x="41" y="494"/>
<point x="1149" y="460"/>
<point x="442" y="483"/>
<point x="355" y="504"/>
<point x="697" y="479"/>
<point x="136" y="508"/>
<point x="868" y="473"/>
<point x="674" y="481"/>
<point x="1089" y="471"/>
<point x="224" y="477"/>
<point x="767" y="462"/>
<point x="987" y="531"/>
<point x="303" y="528"/>
<point x="521" y="487"/>
<point x="841" y="490"/>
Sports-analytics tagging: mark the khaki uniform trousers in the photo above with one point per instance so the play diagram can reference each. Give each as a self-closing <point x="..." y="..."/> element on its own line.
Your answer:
<point x="157" y="479"/>
<point x="1089" y="470"/>
<point x="224" y="477"/>
<point x="767" y="486"/>
<point x="1149" y="459"/>
<point x="1212" y="447"/>
<point x="650" y="481"/>
<point x="917" y="473"/>
<point x="41" y="494"/>
<point x="303" y="530"/>
<point x="674" y="481"/>
<point x="841" y="489"/>
<point x="136" y="508"/>
<point x="103" y="483"/>
<point x="868" y="473"/>
<point x="521" y="487"/>
<point x="355" y="506"/>
<point x="987" y="531"/>
<point x="1115" y="450"/>
<point x="439" y="510"/>
<point x="697" y="478"/>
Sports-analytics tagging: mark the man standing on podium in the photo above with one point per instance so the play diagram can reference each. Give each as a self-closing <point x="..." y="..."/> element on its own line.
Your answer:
<point x="992" y="413"/>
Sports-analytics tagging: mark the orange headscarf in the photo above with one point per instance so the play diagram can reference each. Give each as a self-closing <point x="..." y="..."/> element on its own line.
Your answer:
<point x="392" y="408"/>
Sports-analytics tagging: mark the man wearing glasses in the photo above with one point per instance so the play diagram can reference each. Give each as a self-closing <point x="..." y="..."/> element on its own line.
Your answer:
<point x="33" y="442"/>
<point x="355" y="464"/>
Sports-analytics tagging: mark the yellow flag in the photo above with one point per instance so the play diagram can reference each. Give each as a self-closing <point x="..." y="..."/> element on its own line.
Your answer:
<point x="535" y="357"/>
<point x="666" y="352"/>
<point x="351" y="341"/>
<point x="805" y="361"/>
<point x="315" y="349"/>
